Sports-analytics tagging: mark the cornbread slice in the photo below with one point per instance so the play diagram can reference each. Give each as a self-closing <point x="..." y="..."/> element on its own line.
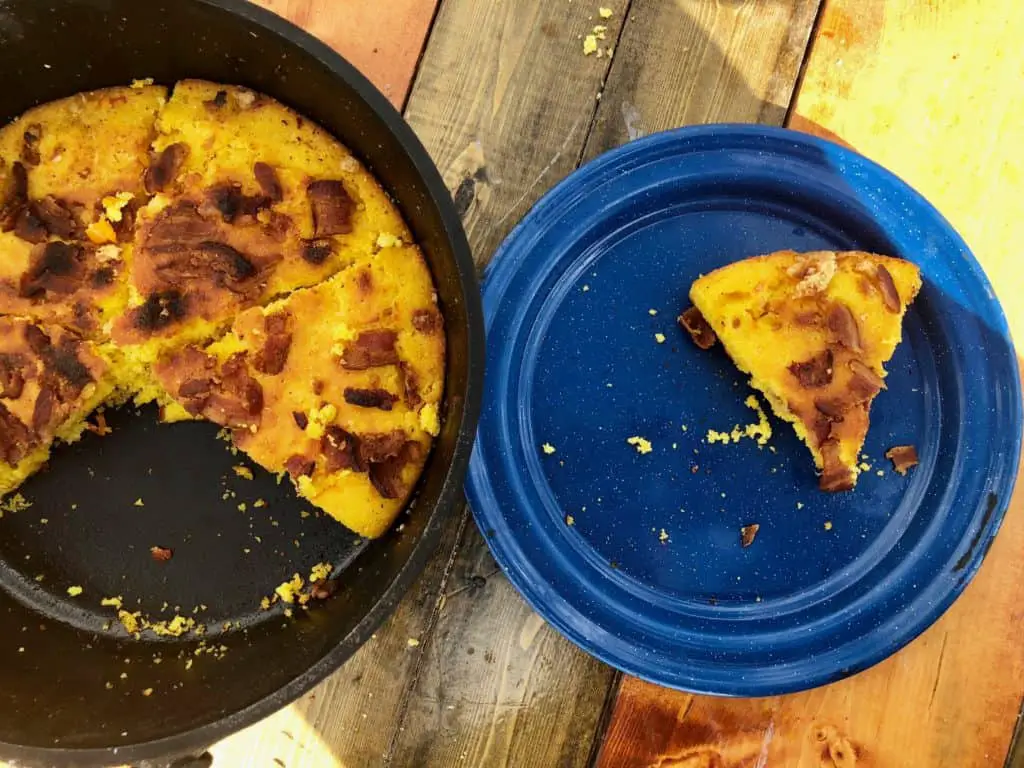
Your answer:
<point x="71" y="178"/>
<point x="50" y="380"/>
<point x="336" y="385"/>
<point x="813" y="331"/>
<point x="251" y="201"/>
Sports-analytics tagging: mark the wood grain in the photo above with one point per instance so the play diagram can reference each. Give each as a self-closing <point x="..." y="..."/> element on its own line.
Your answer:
<point x="503" y="101"/>
<point x="924" y="88"/>
<point x="683" y="62"/>
<point x="383" y="40"/>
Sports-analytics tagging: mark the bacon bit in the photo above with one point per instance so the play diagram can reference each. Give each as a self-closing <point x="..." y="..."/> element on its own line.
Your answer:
<point x="301" y="420"/>
<point x="748" y="533"/>
<point x="865" y="383"/>
<point x="831" y="408"/>
<point x="427" y="320"/>
<point x="164" y="167"/>
<point x="220" y="99"/>
<point x="890" y="296"/>
<point x="12" y="381"/>
<point x="30" y="145"/>
<point x="229" y="201"/>
<point x="266" y="177"/>
<point x="54" y="268"/>
<point x="410" y="384"/>
<point x="386" y="476"/>
<point x="370" y="398"/>
<point x="29" y="228"/>
<point x="381" y="446"/>
<point x="844" y="325"/>
<point x="332" y="208"/>
<point x="161" y="554"/>
<point x="299" y="466"/>
<point x="15" y="438"/>
<point x="698" y="328"/>
<point x="816" y="372"/>
<point x="835" y="475"/>
<point x="371" y="349"/>
<point x="57" y="217"/>
<point x="903" y="457"/>
<point x="17" y="197"/>
<point x="324" y="589"/>
<point x="316" y="251"/>
<point x="272" y="358"/>
<point x="100" y="428"/>
<point x="341" y="449"/>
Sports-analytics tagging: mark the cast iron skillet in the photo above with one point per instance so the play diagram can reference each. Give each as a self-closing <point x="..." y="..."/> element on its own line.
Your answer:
<point x="58" y="654"/>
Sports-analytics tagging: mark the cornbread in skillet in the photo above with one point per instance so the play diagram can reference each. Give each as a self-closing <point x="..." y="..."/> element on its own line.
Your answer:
<point x="71" y="179"/>
<point x="250" y="201"/>
<point x="219" y="254"/>
<point x="813" y="331"/>
<point x="50" y="381"/>
<point x="337" y="385"/>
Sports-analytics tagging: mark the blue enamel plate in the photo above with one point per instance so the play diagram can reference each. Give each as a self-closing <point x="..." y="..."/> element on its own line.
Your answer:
<point x="636" y="557"/>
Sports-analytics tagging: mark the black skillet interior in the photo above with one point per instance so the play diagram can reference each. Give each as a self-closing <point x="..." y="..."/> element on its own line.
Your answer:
<point x="71" y="685"/>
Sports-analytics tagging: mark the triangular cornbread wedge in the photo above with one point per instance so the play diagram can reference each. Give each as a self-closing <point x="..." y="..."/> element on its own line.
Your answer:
<point x="336" y="385"/>
<point x="813" y="331"/>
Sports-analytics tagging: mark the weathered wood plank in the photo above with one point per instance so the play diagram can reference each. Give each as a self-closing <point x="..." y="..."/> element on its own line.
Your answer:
<point x="504" y="100"/>
<point x="691" y="61"/>
<point x="497" y="687"/>
<point x="383" y="40"/>
<point x="925" y="89"/>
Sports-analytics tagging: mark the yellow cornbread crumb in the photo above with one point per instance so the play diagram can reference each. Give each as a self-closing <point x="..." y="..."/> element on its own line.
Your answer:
<point x="604" y="13"/>
<point x="864" y="466"/>
<point x="761" y="431"/>
<point x="570" y="520"/>
<point x="599" y="31"/>
<point x="660" y="338"/>
<point x="641" y="444"/>
<point x="799" y="505"/>
<point x="412" y="642"/>
<point x="138" y="85"/>
<point x="259" y="503"/>
<point x="130" y="621"/>
<point x="589" y="45"/>
<point x="75" y="591"/>
<point x="652" y="312"/>
<point x="828" y="525"/>
<point x="663" y="536"/>
<point x="241" y="507"/>
<point x="112" y="602"/>
<point x="100" y="232"/>
<point x="586" y="288"/>
<point x="15" y="503"/>
<point x="139" y="502"/>
<point x="147" y="692"/>
<point x="429" y="420"/>
<point x="113" y="205"/>
<point x="265" y="604"/>
<point x="290" y="589"/>
<point x="320" y="571"/>
<point x="548" y="448"/>
<point x="387" y="240"/>
<point x="243" y="472"/>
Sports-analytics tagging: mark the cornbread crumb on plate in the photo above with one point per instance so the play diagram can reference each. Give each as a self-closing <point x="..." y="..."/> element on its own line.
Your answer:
<point x="548" y="448"/>
<point x="759" y="431"/>
<point x="641" y="444"/>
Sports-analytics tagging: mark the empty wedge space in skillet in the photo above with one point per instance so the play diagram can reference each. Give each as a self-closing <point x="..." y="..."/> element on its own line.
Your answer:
<point x="337" y="385"/>
<point x="239" y="211"/>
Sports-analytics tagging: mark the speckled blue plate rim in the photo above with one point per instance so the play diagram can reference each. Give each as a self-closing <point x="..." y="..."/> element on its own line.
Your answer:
<point x="896" y="630"/>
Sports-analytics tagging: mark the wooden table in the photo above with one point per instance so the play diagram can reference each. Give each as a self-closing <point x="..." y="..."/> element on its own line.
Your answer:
<point x="503" y="97"/>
